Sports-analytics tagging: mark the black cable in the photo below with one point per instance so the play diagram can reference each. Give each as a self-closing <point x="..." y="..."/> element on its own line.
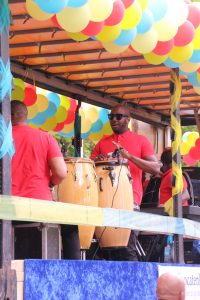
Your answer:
<point x="98" y="246"/>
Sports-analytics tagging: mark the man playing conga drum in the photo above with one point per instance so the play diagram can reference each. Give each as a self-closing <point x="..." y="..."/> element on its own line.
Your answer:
<point x="140" y="155"/>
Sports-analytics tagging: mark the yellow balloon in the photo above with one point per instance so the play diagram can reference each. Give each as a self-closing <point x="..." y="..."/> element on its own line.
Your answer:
<point x="92" y="114"/>
<point x="107" y="130"/>
<point x="78" y="36"/>
<point x="143" y="4"/>
<point x="95" y="136"/>
<point x="42" y="102"/>
<point x="74" y="19"/>
<point x="192" y="137"/>
<point x="146" y="42"/>
<point x="65" y="101"/>
<point x="197" y="89"/>
<point x="166" y="29"/>
<point x="61" y="114"/>
<point x="85" y="125"/>
<point x="100" y="9"/>
<point x="189" y="67"/>
<point x="33" y="125"/>
<point x="196" y="39"/>
<point x="68" y="128"/>
<point x="181" y="54"/>
<point x="35" y="12"/>
<point x="198" y="77"/>
<point x="113" y="48"/>
<point x="32" y="111"/>
<point x="155" y="59"/>
<point x="19" y="82"/>
<point x="17" y="93"/>
<point x="132" y="16"/>
<point x="49" y="124"/>
<point x="185" y="148"/>
<point x="109" y="33"/>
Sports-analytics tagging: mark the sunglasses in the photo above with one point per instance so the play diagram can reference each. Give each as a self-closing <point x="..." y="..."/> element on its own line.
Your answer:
<point x="118" y="117"/>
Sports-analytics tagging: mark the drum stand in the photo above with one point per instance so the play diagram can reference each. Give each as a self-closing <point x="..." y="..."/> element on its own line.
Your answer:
<point x="83" y="254"/>
<point x="140" y="251"/>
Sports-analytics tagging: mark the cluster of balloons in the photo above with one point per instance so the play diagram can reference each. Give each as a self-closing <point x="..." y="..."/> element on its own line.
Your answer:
<point x="52" y="112"/>
<point x="164" y="31"/>
<point x="190" y="148"/>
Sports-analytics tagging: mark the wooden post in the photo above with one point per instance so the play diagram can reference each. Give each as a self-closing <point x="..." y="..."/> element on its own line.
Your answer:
<point x="175" y="90"/>
<point x="8" y="277"/>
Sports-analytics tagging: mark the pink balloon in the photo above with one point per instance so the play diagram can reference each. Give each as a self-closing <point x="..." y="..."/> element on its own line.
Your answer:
<point x="194" y="15"/>
<point x="73" y="105"/>
<point x="70" y="117"/>
<point x="163" y="48"/>
<point x="195" y="153"/>
<point x="188" y="160"/>
<point x="185" y="34"/>
<point x="117" y="14"/>
<point x="93" y="28"/>
<point x="197" y="143"/>
<point x="127" y="3"/>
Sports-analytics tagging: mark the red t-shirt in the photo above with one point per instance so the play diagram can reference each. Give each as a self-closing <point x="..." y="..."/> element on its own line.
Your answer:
<point x="30" y="171"/>
<point x="166" y="187"/>
<point x="135" y="144"/>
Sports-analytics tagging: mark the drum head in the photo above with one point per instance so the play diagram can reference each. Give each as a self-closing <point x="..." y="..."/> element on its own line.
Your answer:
<point x="71" y="159"/>
<point x="110" y="162"/>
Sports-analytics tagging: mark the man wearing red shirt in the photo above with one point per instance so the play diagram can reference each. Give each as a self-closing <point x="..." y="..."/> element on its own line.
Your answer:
<point x="166" y="182"/>
<point x="133" y="147"/>
<point x="37" y="164"/>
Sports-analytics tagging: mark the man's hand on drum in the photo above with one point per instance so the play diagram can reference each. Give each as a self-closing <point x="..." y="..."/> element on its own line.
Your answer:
<point x="122" y="151"/>
<point x="101" y="156"/>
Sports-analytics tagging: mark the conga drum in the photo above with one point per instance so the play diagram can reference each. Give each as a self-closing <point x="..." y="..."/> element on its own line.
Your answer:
<point x="115" y="191"/>
<point x="80" y="187"/>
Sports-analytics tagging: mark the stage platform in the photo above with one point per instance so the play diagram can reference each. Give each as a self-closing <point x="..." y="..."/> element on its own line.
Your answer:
<point x="99" y="280"/>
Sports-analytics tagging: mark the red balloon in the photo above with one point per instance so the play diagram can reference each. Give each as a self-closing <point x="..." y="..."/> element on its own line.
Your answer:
<point x="117" y="14"/>
<point x="93" y="28"/>
<point x="55" y="22"/>
<point x="194" y="15"/>
<point x="30" y="96"/>
<point x="197" y="143"/>
<point x="31" y="86"/>
<point x="185" y="34"/>
<point x="133" y="50"/>
<point x="127" y="3"/>
<point x="188" y="160"/>
<point x="195" y="153"/>
<point x="73" y="105"/>
<point x="163" y="48"/>
<point x="70" y="117"/>
<point x="59" y="126"/>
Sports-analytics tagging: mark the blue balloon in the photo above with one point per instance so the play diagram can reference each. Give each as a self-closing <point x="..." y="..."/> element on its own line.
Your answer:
<point x="85" y="135"/>
<point x="97" y="126"/>
<point x="51" y="6"/>
<point x="126" y="37"/>
<point x="158" y="8"/>
<point x="39" y="119"/>
<point x="192" y="78"/>
<point x="170" y="63"/>
<point x="67" y="135"/>
<point x="54" y="98"/>
<point x="76" y="3"/>
<point x="103" y="115"/>
<point x="146" y="22"/>
<point x="51" y="110"/>
<point x="195" y="58"/>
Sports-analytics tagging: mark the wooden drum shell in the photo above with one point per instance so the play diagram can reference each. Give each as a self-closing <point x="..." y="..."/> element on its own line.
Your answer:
<point x="115" y="191"/>
<point x="80" y="187"/>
